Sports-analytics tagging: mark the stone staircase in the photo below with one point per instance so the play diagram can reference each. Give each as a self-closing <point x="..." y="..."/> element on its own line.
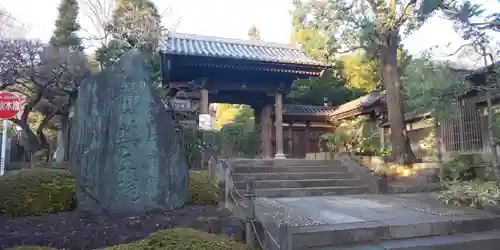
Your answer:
<point x="330" y="205"/>
<point x="460" y="234"/>
<point x="296" y="178"/>
<point x="382" y="222"/>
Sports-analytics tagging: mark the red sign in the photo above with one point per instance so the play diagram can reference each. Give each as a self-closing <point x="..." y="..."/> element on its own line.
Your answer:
<point x="10" y="104"/>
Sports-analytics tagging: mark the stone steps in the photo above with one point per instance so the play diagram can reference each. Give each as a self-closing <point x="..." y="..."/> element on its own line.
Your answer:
<point x="291" y="176"/>
<point x="266" y="184"/>
<point x="444" y="234"/>
<point x="288" y="169"/>
<point x="296" y="177"/>
<point x="284" y="162"/>
<point x="311" y="191"/>
<point x="466" y="241"/>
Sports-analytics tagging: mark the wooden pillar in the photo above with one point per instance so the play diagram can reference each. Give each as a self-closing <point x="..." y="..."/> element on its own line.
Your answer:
<point x="204" y="101"/>
<point x="258" y="127"/>
<point x="266" y="126"/>
<point x="290" y="139"/>
<point x="306" y="137"/>
<point x="381" y="132"/>
<point x="204" y="104"/>
<point x="278" y="124"/>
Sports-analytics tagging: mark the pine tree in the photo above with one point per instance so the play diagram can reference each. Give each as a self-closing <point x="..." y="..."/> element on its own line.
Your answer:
<point x="134" y="24"/>
<point x="67" y="26"/>
<point x="254" y="33"/>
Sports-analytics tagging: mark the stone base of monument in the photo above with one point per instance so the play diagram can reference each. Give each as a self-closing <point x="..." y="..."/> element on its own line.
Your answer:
<point x="126" y="153"/>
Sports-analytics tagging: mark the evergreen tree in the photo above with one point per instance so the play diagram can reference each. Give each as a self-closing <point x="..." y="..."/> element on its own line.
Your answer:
<point x="376" y="27"/>
<point x="254" y="33"/>
<point x="313" y="39"/>
<point x="135" y="24"/>
<point x="64" y="35"/>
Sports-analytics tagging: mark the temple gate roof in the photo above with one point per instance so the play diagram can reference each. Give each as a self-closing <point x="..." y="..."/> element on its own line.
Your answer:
<point x="210" y="46"/>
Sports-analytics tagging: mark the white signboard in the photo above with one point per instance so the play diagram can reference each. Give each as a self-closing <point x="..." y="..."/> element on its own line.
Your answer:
<point x="205" y="122"/>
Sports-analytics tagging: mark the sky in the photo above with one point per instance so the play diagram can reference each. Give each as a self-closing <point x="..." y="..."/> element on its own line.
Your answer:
<point x="229" y="18"/>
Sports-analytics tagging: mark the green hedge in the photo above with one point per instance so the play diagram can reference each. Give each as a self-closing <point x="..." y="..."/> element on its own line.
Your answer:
<point x="202" y="191"/>
<point x="183" y="239"/>
<point x="31" y="248"/>
<point x="171" y="239"/>
<point x="38" y="191"/>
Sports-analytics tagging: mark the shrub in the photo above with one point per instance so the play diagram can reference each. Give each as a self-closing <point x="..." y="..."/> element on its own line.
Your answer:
<point x="37" y="191"/>
<point x="183" y="239"/>
<point x="202" y="191"/>
<point x="31" y="248"/>
<point x="461" y="167"/>
<point x="190" y="141"/>
<point x="473" y="194"/>
<point x="386" y="173"/>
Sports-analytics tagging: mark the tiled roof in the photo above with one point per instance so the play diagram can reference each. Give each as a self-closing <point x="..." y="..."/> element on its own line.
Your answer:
<point x="409" y="117"/>
<point x="307" y="110"/>
<point x="362" y="102"/>
<point x="197" y="45"/>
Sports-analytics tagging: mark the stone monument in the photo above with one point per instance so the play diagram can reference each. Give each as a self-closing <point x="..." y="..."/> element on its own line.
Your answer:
<point x="125" y="150"/>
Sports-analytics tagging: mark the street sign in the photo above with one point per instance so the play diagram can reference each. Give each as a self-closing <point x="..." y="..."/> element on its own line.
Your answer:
<point x="205" y="122"/>
<point x="10" y="105"/>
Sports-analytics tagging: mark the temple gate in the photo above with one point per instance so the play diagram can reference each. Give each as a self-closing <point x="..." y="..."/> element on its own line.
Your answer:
<point x="239" y="72"/>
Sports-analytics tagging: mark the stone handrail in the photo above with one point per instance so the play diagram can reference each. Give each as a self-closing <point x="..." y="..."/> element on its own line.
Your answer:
<point x="244" y="204"/>
<point x="356" y="167"/>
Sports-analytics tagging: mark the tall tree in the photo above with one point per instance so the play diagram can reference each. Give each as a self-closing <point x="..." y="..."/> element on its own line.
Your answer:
<point x="304" y="32"/>
<point x="376" y="26"/>
<point x="134" y="24"/>
<point x="225" y="114"/>
<point x="331" y="85"/>
<point x="473" y="24"/>
<point x="67" y="26"/>
<point x="359" y="72"/>
<point x="254" y="33"/>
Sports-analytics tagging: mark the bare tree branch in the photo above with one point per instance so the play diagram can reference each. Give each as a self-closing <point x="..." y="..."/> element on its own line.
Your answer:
<point x="99" y="13"/>
<point x="48" y="77"/>
<point x="405" y="14"/>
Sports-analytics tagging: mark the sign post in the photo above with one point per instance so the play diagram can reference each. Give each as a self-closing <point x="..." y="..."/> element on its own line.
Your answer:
<point x="204" y="124"/>
<point x="10" y="104"/>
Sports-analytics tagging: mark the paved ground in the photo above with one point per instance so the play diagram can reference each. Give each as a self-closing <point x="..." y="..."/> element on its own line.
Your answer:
<point x="388" y="209"/>
<point x="313" y="219"/>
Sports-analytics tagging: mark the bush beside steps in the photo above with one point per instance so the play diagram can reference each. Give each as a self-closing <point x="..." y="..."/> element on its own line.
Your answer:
<point x="171" y="239"/>
<point x="476" y="194"/>
<point x="38" y="191"/>
<point x="183" y="239"/>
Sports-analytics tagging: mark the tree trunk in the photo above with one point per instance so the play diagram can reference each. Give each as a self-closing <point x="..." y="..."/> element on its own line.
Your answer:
<point x="62" y="141"/>
<point x="489" y="108"/>
<point x="401" y="149"/>
<point x="491" y="137"/>
<point x="439" y="149"/>
<point x="32" y="143"/>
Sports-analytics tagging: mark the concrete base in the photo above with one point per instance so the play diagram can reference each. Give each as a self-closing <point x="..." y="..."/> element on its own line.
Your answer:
<point x="280" y="156"/>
